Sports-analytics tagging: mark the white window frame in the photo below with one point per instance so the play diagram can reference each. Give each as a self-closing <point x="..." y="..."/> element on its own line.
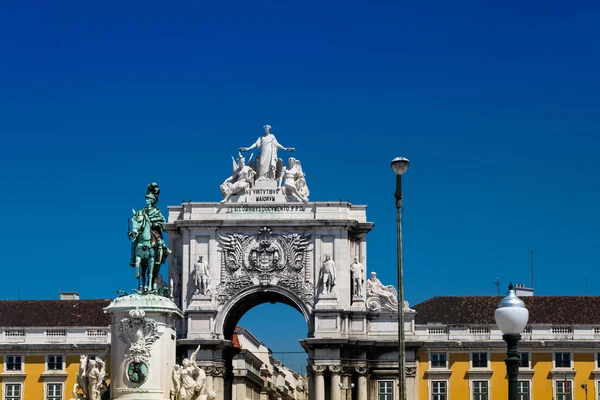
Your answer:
<point x="6" y="370"/>
<point x="555" y="387"/>
<point x="4" y="384"/>
<point x="530" y="388"/>
<point x="392" y="394"/>
<point x="487" y="353"/>
<point x="446" y="381"/>
<point x="62" y="368"/>
<point x="62" y="389"/>
<point x="564" y="352"/>
<point x="431" y="359"/>
<point x="528" y="360"/>
<point x="472" y="387"/>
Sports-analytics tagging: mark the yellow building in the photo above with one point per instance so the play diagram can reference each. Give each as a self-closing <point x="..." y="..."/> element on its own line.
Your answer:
<point x="41" y="343"/>
<point x="460" y="352"/>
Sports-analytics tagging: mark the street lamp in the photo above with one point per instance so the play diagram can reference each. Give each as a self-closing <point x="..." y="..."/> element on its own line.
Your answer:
<point x="511" y="317"/>
<point x="346" y="389"/>
<point x="399" y="166"/>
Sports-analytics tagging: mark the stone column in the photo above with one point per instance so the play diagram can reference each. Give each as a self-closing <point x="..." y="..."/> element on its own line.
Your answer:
<point x="310" y="376"/>
<point x="219" y="381"/>
<point x="335" y="381"/>
<point x="346" y="382"/>
<point x="362" y="382"/>
<point x="319" y="385"/>
<point x="411" y="382"/>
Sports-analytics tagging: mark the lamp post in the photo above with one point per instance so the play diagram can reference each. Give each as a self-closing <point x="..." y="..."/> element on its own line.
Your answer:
<point x="511" y="317"/>
<point x="399" y="166"/>
<point x="346" y="389"/>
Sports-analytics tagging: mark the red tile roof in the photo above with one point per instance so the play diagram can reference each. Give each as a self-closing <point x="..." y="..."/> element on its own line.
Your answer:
<point x="43" y="313"/>
<point x="475" y="310"/>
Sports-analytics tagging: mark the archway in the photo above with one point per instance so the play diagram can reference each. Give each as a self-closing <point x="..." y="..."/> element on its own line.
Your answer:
<point x="240" y="366"/>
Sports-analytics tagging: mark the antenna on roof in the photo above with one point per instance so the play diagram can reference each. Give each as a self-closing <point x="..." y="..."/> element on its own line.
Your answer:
<point x="497" y="284"/>
<point x="531" y="253"/>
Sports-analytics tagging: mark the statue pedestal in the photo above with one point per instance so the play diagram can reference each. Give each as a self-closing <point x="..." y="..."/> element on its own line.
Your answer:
<point x="142" y="346"/>
<point x="358" y="304"/>
<point x="327" y="302"/>
<point x="201" y="302"/>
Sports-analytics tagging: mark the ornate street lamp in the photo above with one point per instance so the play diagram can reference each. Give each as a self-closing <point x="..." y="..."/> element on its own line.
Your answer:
<point x="511" y="317"/>
<point x="346" y="389"/>
<point x="399" y="166"/>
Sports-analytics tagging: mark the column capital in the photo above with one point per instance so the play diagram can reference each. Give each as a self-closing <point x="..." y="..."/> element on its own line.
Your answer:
<point x="319" y="369"/>
<point x="411" y="371"/>
<point x="361" y="369"/>
<point x="336" y="369"/>
<point x="346" y="370"/>
<point x="215" y="371"/>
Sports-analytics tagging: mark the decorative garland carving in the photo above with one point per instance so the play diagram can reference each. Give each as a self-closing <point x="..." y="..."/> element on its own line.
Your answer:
<point x="265" y="258"/>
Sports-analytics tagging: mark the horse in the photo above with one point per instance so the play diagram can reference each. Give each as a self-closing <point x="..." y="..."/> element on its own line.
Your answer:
<point x="144" y="249"/>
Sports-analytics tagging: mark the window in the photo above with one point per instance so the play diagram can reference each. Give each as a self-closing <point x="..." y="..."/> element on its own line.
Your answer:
<point x="524" y="363"/>
<point x="54" y="391"/>
<point x="597" y="360"/>
<point x="55" y="363"/>
<point x="13" y="363"/>
<point x="385" y="390"/>
<point x="564" y="390"/>
<point x="438" y="360"/>
<point x="562" y="360"/>
<point x="480" y="360"/>
<point x="438" y="390"/>
<point x="524" y="393"/>
<point x="480" y="390"/>
<point x="12" y="391"/>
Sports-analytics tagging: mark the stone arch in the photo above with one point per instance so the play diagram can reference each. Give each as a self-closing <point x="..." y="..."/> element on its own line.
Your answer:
<point x="248" y="298"/>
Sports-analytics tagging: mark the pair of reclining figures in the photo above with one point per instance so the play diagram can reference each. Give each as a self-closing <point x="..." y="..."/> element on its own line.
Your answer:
<point x="266" y="167"/>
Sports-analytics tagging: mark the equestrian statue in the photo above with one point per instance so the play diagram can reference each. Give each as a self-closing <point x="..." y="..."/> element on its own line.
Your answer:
<point x="148" y="249"/>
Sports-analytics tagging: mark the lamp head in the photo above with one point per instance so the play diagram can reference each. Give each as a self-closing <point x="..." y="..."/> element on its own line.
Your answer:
<point x="511" y="314"/>
<point x="340" y="385"/>
<point x="400" y="165"/>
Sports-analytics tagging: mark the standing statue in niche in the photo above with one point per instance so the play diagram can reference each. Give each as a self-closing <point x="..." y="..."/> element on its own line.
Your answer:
<point x="358" y="278"/>
<point x="148" y="249"/>
<point x="241" y="179"/>
<point x="201" y="277"/>
<point x="327" y="275"/>
<point x="188" y="380"/>
<point x="294" y="181"/>
<point x="267" y="161"/>
<point x="380" y="296"/>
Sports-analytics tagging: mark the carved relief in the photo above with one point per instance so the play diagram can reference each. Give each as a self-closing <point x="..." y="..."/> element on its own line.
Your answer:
<point x="139" y="333"/>
<point x="265" y="258"/>
<point x="410" y="371"/>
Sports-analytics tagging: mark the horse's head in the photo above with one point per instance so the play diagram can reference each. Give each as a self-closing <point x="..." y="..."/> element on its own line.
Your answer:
<point x="139" y="221"/>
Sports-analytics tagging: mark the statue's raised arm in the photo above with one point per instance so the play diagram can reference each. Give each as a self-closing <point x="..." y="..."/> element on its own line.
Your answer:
<point x="267" y="161"/>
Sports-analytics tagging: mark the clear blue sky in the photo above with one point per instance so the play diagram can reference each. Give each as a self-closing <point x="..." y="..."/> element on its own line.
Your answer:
<point x="496" y="105"/>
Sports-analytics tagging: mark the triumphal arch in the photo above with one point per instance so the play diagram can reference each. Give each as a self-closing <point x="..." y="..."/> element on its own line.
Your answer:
<point x="265" y="241"/>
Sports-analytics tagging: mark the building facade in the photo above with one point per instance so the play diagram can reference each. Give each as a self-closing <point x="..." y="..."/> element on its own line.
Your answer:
<point x="41" y="343"/>
<point x="461" y="352"/>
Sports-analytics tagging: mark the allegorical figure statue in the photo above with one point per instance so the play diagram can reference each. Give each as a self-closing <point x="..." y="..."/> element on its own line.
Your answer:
<point x="267" y="162"/>
<point x="327" y="275"/>
<point x="240" y="180"/>
<point x="91" y="379"/>
<point x="188" y="380"/>
<point x="201" y="277"/>
<point x="148" y="249"/>
<point x="294" y="181"/>
<point x="385" y="295"/>
<point x="358" y="278"/>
